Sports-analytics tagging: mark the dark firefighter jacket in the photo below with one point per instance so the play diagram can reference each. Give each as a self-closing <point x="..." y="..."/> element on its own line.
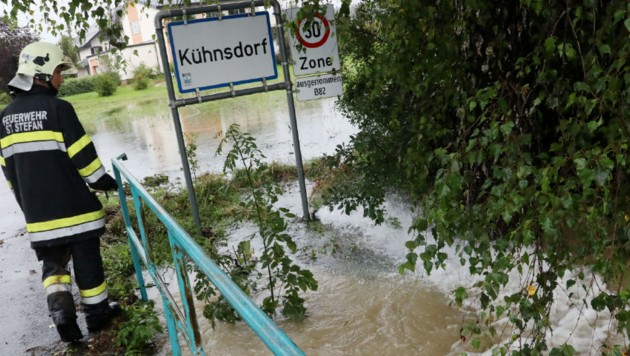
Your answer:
<point x="47" y="159"/>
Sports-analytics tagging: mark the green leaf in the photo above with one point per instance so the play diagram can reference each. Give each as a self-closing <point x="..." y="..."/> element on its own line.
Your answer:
<point x="604" y="49"/>
<point x="593" y="125"/>
<point x="550" y="44"/>
<point x="411" y="245"/>
<point x="569" y="51"/>
<point x="460" y="295"/>
<point x="421" y="225"/>
<point x="599" y="303"/>
<point x="580" y="163"/>
<point x="506" y="128"/>
<point x="406" y="266"/>
<point x="476" y="343"/>
<point x="428" y="266"/>
<point x="291" y="245"/>
<point x="547" y="225"/>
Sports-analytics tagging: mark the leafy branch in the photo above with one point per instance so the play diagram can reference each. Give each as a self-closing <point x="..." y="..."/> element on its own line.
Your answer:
<point x="284" y="278"/>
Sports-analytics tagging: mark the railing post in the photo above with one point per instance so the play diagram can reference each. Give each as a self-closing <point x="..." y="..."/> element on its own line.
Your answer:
<point x="171" y="325"/>
<point x="122" y="198"/>
<point x="183" y="245"/>
<point x="185" y="290"/>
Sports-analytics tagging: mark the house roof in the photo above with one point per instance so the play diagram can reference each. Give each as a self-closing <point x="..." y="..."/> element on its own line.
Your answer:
<point x="92" y="32"/>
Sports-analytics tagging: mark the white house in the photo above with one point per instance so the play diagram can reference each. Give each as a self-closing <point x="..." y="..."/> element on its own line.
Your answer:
<point x="138" y="27"/>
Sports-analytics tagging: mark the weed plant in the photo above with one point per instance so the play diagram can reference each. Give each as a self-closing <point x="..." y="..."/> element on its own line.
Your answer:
<point x="282" y="280"/>
<point x="141" y="325"/>
<point x="248" y="195"/>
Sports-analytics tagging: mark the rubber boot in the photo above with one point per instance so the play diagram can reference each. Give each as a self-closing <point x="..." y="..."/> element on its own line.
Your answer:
<point x="98" y="316"/>
<point x="64" y="315"/>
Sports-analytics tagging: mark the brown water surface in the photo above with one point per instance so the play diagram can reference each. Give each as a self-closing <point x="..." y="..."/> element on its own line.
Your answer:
<point x="352" y="315"/>
<point x="362" y="306"/>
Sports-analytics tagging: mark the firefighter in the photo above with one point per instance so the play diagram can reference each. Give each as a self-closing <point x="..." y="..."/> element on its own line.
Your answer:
<point x="50" y="163"/>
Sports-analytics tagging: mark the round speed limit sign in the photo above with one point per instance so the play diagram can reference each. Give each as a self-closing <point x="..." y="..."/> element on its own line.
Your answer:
<point x="314" y="44"/>
<point x="314" y="33"/>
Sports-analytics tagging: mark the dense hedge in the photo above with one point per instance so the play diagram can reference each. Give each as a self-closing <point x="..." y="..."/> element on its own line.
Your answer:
<point x="509" y="126"/>
<point x="76" y="86"/>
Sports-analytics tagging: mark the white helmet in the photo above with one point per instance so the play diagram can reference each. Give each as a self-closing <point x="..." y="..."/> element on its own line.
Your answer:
<point x="38" y="60"/>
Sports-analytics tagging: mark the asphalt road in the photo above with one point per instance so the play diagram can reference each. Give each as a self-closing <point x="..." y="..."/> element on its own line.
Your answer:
<point x="25" y="328"/>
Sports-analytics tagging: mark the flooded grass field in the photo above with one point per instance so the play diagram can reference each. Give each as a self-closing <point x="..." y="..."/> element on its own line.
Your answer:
<point x="363" y="306"/>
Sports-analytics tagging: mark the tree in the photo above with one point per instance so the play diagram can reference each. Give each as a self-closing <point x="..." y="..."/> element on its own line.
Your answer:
<point x="508" y="126"/>
<point x="12" y="40"/>
<point x="79" y="15"/>
<point x="69" y="49"/>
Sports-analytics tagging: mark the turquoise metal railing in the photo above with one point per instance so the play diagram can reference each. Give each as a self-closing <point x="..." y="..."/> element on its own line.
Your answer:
<point x="182" y="245"/>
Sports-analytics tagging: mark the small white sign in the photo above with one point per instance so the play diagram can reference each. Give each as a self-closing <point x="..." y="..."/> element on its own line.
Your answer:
<point x="212" y="52"/>
<point x="319" y="87"/>
<point x="318" y="42"/>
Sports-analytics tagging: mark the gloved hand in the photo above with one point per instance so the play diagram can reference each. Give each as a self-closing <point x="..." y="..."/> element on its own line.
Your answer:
<point x="106" y="182"/>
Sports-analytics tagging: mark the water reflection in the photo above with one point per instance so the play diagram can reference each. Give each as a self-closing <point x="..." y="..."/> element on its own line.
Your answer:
<point x="144" y="131"/>
<point x="361" y="307"/>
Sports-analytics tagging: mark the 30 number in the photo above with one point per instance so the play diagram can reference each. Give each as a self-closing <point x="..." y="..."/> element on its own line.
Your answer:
<point x="313" y="31"/>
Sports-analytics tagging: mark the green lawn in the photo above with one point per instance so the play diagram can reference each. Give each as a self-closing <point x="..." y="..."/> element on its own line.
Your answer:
<point x="124" y="94"/>
<point x="91" y="106"/>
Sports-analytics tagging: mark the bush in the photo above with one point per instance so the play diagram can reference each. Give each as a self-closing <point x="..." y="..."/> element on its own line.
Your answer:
<point x="140" y="84"/>
<point x="138" y="330"/>
<point x="107" y="83"/>
<point x="508" y="128"/>
<point x="76" y="86"/>
<point x="141" y="77"/>
<point x="5" y="99"/>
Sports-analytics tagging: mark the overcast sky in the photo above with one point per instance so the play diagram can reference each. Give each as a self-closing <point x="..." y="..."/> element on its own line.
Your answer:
<point x="23" y="20"/>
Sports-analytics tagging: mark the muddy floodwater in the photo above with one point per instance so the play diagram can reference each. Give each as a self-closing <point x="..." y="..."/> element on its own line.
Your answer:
<point x="352" y="315"/>
<point x="363" y="306"/>
<point x="144" y="131"/>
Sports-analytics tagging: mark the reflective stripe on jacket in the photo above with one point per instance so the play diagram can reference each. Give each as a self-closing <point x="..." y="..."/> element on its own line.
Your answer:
<point x="47" y="158"/>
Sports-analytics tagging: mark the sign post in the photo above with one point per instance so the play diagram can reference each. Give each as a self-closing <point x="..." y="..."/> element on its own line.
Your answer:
<point x="315" y="52"/>
<point x="224" y="51"/>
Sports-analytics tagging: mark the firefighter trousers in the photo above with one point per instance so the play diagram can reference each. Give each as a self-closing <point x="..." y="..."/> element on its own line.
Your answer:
<point x="88" y="272"/>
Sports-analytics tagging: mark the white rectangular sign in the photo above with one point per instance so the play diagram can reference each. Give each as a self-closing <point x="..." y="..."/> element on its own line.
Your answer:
<point x="211" y="53"/>
<point x="314" y="45"/>
<point x="319" y="87"/>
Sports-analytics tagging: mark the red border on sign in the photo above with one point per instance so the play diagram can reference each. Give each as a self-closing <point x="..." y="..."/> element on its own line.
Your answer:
<point x="318" y="43"/>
